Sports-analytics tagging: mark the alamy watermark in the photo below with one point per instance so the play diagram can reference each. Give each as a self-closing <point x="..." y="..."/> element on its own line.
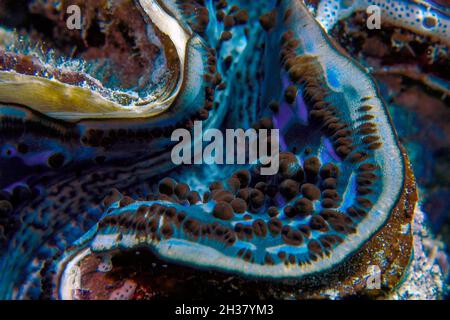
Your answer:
<point x="236" y="147"/>
<point x="374" y="17"/>
<point x="373" y="281"/>
<point x="73" y="21"/>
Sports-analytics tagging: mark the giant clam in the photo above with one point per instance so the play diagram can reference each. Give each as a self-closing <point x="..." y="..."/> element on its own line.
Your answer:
<point x="93" y="207"/>
<point x="409" y="57"/>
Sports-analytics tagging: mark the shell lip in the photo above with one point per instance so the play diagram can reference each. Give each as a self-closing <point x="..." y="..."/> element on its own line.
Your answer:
<point x="72" y="103"/>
